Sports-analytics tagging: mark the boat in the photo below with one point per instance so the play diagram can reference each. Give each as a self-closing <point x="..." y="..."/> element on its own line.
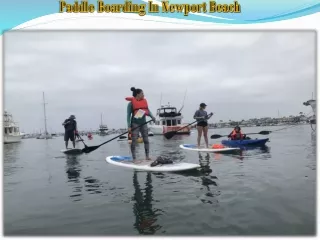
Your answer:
<point x="245" y="142"/>
<point x="103" y="128"/>
<point x="45" y="135"/>
<point x="150" y="134"/>
<point x="313" y="105"/>
<point x="168" y="119"/>
<point x="11" y="129"/>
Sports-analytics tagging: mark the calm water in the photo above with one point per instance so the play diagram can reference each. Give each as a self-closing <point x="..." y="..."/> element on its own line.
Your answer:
<point x="258" y="192"/>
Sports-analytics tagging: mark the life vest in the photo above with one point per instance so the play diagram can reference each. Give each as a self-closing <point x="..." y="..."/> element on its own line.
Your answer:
<point x="136" y="105"/>
<point x="236" y="135"/>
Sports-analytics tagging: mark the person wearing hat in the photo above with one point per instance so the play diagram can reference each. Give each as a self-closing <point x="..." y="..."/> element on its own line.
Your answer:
<point x="70" y="126"/>
<point x="202" y="125"/>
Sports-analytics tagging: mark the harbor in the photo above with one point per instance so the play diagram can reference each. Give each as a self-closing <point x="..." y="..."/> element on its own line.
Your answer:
<point x="159" y="134"/>
<point x="268" y="191"/>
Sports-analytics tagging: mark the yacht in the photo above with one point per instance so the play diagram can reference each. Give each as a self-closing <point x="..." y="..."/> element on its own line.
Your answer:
<point x="168" y="119"/>
<point x="103" y="128"/>
<point x="313" y="105"/>
<point x="45" y="135"/>
<point x="11" y="129"/>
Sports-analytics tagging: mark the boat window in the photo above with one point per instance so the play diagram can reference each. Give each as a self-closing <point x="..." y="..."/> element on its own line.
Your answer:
<point x="174" y="122"/>
<point x="163" y="122"/>
<point x="6" y="130"/>
<point x="10" y="130"/>
<point x="179" y="121"/>
<point x="168" y="122"/>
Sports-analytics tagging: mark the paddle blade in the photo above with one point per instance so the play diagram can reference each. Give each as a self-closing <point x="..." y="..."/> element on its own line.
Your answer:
<point x="215" y="136"/>
<point x="169" y="135"/>
<point x="89" y="149"/>
<point x="264" y="132"/>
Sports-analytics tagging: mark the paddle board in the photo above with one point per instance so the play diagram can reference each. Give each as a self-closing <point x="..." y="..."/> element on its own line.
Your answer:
<point x="72" y="151"/>
<point x="144" y="165"/>
<point x="194" y="147"/>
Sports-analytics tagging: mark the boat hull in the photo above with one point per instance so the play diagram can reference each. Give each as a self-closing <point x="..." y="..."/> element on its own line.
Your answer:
<point x="12" y="139"/>
<point x="247" y="142"/>
<point x="160" y="130"/>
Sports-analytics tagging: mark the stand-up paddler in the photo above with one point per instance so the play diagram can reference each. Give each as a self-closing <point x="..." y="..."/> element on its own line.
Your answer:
<point x="137" y="111"/>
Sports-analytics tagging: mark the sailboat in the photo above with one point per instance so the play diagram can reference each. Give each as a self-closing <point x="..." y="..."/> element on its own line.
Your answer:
<point x="45" y="135"/>
<point x="103" y="128"/>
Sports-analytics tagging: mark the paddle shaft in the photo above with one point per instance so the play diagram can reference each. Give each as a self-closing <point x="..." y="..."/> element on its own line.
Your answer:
<point x="192" y="123"/>
<point x="219" y="136"/>
<point x="81" y="140"/>
<point x="124" y="133"/>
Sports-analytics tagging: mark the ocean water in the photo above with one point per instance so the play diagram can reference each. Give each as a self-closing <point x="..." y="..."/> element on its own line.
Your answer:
<point x="263" y="191"/>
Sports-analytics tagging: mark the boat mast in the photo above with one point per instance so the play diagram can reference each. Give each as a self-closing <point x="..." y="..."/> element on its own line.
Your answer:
<point x="184" y="98"/>
<point x="44" y="111"/>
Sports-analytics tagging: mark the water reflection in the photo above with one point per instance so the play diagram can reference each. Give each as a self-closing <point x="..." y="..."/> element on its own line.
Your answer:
<point x="208" y="181"/>
<point x="10" y="157"/>
<point x="73" y="170"/>
<point x="205" y="163"/>
<point x="145" y="214"/>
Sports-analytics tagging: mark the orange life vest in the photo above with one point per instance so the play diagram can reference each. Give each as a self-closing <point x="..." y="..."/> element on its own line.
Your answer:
<point x="136" y="105"/>
<point x="234" y="135"/>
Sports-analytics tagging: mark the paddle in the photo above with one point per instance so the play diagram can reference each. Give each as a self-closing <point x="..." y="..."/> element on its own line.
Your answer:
<point x="82" y="141"/>
<point x="92" y="148"/>
<point x="169" y="135"/>
<point x="215" y="136"/>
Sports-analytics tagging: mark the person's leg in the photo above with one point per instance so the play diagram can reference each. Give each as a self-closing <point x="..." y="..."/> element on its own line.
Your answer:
<point x="66" y="139"/>
<point x="144" y="134"/>
<point x="73" y="139"/>
<point x="134" y="138"/>
<point x="199" y="134"/>
<point x="205" y="135"/>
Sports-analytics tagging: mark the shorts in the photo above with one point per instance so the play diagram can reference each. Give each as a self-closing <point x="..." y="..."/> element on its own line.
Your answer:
<point x="202" y="124"/>
<point x="69" y="135"/>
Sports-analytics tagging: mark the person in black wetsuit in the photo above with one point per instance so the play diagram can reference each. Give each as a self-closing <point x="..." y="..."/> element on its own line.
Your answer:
<point x="70" y="126"/>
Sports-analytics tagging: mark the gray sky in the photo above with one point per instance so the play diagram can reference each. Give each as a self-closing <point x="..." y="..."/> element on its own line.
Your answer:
<point x="239" y="75"/>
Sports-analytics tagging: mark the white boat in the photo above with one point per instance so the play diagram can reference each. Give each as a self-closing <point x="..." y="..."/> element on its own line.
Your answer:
<point x="167" y="120"/>
<point x="45" y="135"/>
<point x="313" y="105"/>
<point x="103" y="128"/>
<point x="11" y="129"/>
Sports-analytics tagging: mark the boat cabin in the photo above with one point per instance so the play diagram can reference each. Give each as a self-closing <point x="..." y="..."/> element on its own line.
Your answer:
<point x="168" y="116"/>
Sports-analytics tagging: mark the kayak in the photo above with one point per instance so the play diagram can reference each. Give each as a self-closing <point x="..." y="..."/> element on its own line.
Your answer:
<point x="246" y="142"/>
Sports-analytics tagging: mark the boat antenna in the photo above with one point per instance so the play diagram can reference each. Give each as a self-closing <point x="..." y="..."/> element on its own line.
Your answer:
<point x="44" y="112"/>
<point x="185" y="94"/>
<point x="160" y="99"/>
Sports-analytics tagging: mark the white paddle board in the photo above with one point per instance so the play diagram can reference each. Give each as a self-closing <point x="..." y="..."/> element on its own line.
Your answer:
<point x="72" y="151"/>
<point x="194" y="147"/>
<point x="144" y="165"/>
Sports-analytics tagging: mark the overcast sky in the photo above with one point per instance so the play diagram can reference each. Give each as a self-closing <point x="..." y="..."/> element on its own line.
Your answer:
<point x="239" y="75"/>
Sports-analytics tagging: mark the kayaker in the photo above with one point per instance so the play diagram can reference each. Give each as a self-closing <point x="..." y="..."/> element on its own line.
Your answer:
<point x="202" y="125"/>
<point x="89" y="135"/>
<point x="70" y="126"/>
<point x="138" y="102"/>
<point x="236" y="134"/>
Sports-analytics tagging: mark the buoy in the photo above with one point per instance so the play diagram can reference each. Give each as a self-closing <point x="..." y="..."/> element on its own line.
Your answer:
<point x="217" y="146"/>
